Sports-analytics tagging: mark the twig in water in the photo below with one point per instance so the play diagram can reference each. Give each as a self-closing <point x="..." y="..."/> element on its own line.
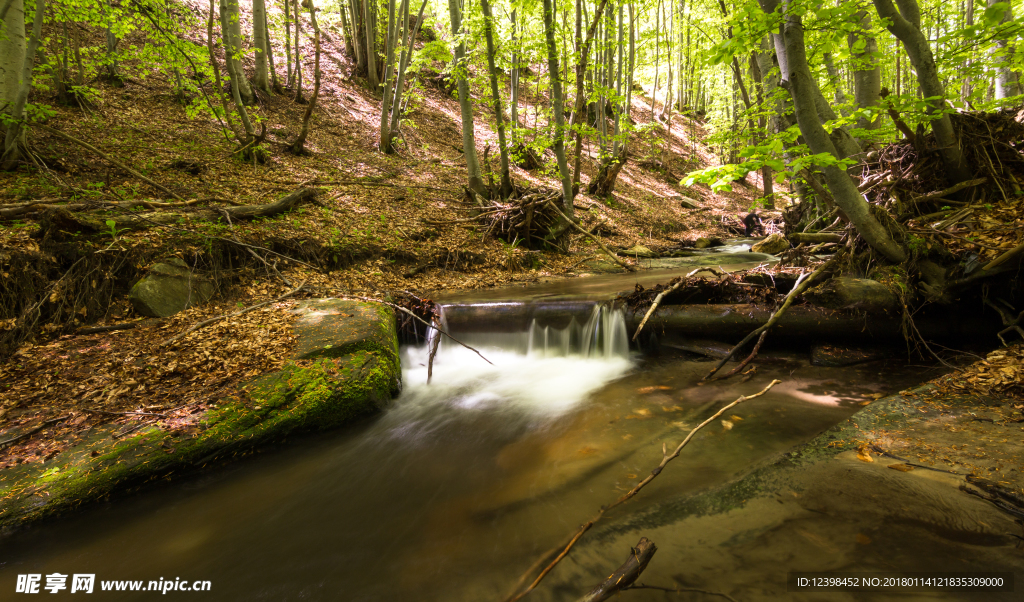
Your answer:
<point x="666" y="458"/>
<point x="433" y="350"/>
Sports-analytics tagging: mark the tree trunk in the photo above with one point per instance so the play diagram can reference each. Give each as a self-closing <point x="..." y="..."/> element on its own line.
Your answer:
<point x="867" y="70"/>
<point x="905" y="25"/>
<point x="559" y="112"/>
<point x="1005" y="77"/>
<point x="579" y="112"/>
<point x="288" y="43"/>
<point x="14" y="138"/>
<point x="299" y="146"/>
<point x="259" y="38"/>
<point x="371" y="48"/>
<point x="801" y="88"/>
<point x="499" y="116"/>
<point x="12" y="54"/>
<point x="513" y="101"/>
<point x="461" y="75"/>
<point x="403" y="65"/>
<point x="231" y="34"/>
<point x="274" y="84"/>
<point x="384" y="144"/>
<point x="298" y="53"/>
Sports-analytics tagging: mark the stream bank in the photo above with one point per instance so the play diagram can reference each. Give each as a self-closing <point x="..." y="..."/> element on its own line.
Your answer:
<point x="345" y="366"/>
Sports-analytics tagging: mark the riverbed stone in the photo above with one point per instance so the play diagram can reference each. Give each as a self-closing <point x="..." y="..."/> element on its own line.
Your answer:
<point x="169" y="287"/>
<point x="346" y="366"/>
<point x="773" y="245"/>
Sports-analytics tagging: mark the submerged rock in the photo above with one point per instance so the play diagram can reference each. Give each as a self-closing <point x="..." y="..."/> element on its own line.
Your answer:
<point x="168" y="288"/>
<point x="705" y="243"/>
<point x="773" y="245"/>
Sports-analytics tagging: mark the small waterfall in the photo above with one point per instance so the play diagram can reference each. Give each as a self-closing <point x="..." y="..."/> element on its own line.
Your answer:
<point x="589" y="330"/>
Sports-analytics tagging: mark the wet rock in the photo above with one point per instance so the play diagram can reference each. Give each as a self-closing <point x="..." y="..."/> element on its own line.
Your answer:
<point x="834" y="356"/>
<point x="854" y="293"/>
<point x="773" y="245"/>
<point x="168" y="288"/>
<point x="705" y="243"/>
<point x="638" y="251"/>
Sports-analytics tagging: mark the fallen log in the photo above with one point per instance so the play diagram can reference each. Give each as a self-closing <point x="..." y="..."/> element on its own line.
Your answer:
<point x="802" y="322"/>
<point x="854" y="293"/>
<point x="626" y="574"/>
<point x="814" y="238"/>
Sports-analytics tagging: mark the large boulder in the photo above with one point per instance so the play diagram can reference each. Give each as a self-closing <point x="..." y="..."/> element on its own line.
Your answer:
<point x="773" y="245"/>
<point x="168" y="288"/>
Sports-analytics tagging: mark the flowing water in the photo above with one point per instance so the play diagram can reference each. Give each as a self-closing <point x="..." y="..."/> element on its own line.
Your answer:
<point x="455" y="490"/>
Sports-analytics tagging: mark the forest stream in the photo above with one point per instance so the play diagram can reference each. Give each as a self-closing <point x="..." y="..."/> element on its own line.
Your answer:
<point x="463" y="483"/>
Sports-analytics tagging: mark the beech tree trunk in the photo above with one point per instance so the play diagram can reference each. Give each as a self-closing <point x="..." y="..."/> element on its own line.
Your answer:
<point x="231" y="33"/>
<point x="14" y="138"/>
<point x="801" y="87"/>
<point x="499" y="115"/>
<point x="556" y="94"/>
<point x="1006" y="80"/>
<point x="867" y="71"/>
<point x="461" y="74"/>
<point x="905" y="25"/>
<point x="12" y="54"/>
<point x="259" y="35"/>
<point x="371" y="48"/>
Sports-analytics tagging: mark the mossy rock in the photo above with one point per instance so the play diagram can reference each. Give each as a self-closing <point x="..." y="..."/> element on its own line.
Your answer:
<point x="327" y="385"/>
<point x="168" y="288"/>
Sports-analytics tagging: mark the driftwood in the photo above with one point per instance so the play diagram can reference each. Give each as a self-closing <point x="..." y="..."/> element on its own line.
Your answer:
<point x="626" y="574"/>
<point x="665" y="459"/>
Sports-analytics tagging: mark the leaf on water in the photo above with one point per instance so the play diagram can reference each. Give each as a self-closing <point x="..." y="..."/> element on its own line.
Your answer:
<point x="643" y="412"/>
<point x="901" y="467"/>
<point x="652" y="389"/>
<point x="735" y="418"/>
<point x="863" y="539"/>
<point x="864" y="455"/>
<point x="727" y="424"/>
